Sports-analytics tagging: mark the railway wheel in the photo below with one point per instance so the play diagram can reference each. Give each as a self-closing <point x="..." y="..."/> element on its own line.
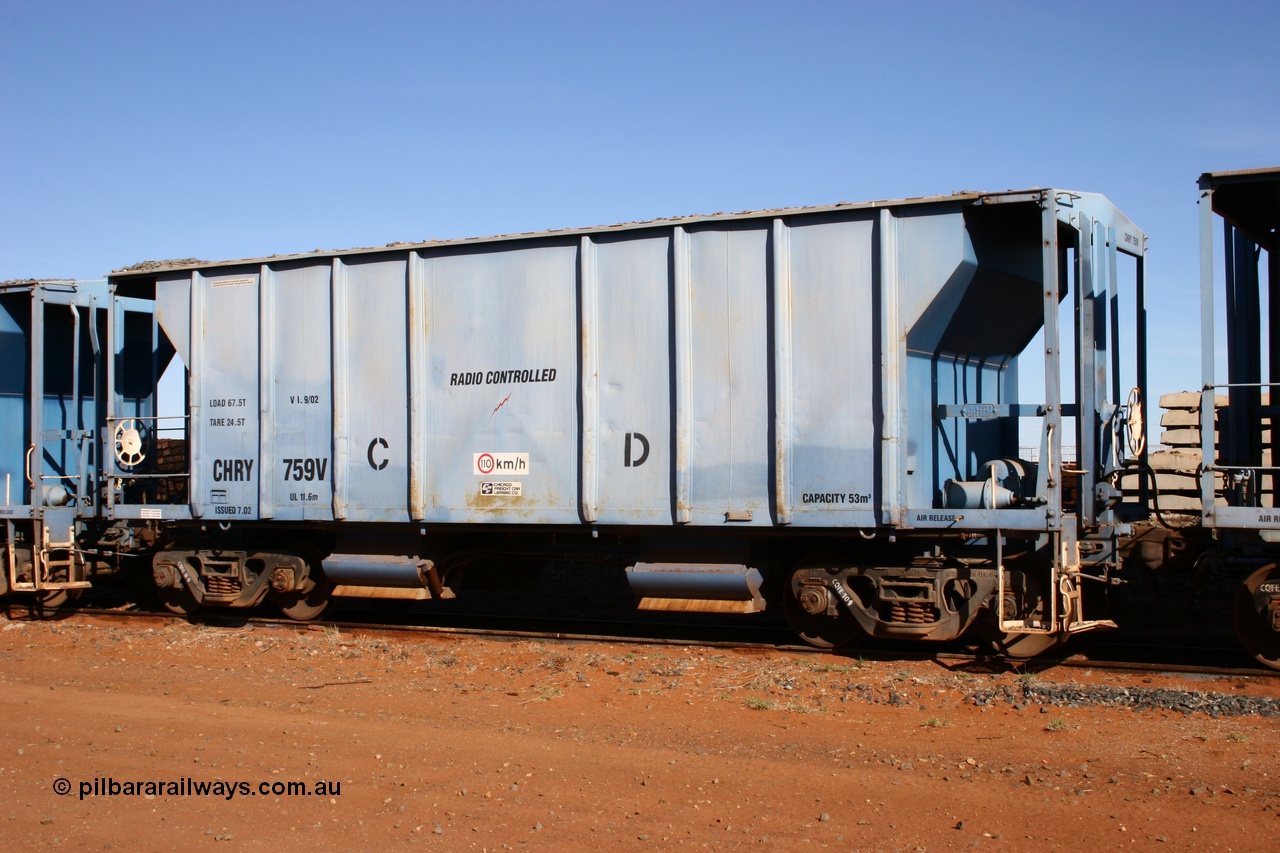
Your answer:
<point x="303" y="606"/>
<point x="1024" y="646"/>
<point x="1256" y="613"/>
<point x="179" y="601"/>
<point x="1025" y="599"/>
<point x="172" y="589"/>
<point x="315" y="597"/>
<point x="813" y="606"/>
<point x="50" y="601"/>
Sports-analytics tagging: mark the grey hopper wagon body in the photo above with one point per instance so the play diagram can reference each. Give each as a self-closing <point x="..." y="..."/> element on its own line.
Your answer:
<point x="827" y="397"/>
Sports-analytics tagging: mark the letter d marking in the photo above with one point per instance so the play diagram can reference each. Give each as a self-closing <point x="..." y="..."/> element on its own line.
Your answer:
<point x="644" y="450"/>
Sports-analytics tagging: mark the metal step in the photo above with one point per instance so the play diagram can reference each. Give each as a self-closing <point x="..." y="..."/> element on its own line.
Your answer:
<point x="1089" y="625"/>
<point x="72" y="564"/>
<point x="30" y="587"/>
<point x="1021" y="626"/>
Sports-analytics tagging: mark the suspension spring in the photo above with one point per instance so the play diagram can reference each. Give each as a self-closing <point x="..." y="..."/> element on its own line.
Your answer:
<point x="912" y="612"/>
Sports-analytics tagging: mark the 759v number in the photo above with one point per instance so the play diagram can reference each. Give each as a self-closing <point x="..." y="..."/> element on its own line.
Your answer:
<point x="305" y="469"/>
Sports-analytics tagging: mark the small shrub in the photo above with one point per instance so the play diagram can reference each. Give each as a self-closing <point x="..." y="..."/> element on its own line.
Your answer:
<point x="835" y="668"/>
<point x="801" y="708"/>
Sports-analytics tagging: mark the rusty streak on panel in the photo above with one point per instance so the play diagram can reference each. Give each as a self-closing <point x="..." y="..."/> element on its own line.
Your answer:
<point x="589" y="376"/>
<point x="683" y="373"/>
<point x="419" y="340"/>
<point x="782" y="366"/>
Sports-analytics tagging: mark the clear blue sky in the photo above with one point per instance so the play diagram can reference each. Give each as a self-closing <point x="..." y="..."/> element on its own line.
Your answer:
<point x="146" y="130"/>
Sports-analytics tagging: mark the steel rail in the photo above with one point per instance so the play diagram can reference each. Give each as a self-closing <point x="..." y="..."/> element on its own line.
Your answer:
<point x="948" y="659"/>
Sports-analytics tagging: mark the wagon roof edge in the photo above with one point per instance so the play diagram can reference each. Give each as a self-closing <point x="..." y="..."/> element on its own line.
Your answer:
<point x="153" y="267"/>
<point x="1213" y="179"/>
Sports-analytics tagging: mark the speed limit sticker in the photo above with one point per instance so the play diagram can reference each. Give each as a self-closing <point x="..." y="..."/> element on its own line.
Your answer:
<point x="511" y="464"/>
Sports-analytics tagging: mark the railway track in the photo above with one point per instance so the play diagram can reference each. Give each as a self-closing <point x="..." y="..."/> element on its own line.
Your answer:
<point x="1086" y="654"/>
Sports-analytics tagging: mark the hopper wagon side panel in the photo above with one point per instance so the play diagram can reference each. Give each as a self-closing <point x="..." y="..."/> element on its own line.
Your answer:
<point x="749" y="371"/>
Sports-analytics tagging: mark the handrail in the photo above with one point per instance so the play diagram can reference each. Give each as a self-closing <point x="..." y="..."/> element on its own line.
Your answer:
<point x="118" y="418"/>
<point x="1241" y="385"/>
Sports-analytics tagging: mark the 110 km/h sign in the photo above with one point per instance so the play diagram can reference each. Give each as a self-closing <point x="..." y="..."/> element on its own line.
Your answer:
<point x="512" y="464"/>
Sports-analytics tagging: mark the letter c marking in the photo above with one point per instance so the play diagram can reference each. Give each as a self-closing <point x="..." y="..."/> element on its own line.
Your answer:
<point x="374" y="464"/>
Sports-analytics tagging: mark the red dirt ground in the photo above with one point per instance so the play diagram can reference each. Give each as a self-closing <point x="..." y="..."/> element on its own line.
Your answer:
<point x="453" y="743"/>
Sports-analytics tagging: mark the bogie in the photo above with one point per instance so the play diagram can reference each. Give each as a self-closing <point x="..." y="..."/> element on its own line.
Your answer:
<point x="1256" y="611"/>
